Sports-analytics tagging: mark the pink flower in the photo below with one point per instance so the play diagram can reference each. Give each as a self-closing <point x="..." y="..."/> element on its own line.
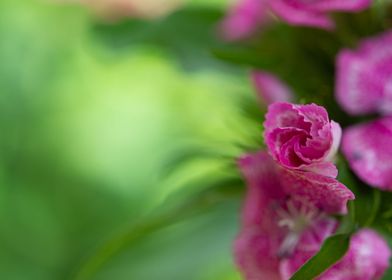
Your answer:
<point x="364" y="77"/>
<point x="247" y="15"/>
<point x="243" y="19"/>
<point x="284" y="210"/>
<point x="314" y="13"/>
<point x="302" y="137"/>
<point x="270" y="88"/>
<point x="367" y="259"/>
<point x="368" y="149"/>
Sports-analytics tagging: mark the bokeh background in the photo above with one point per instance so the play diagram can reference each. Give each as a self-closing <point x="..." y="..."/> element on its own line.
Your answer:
<point x="117" y="144"/>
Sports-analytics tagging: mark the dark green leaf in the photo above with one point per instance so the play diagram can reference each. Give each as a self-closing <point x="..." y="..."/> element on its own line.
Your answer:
<point x="333" y="249"/>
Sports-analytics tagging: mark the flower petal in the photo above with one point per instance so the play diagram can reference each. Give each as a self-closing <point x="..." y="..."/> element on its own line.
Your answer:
<point x="367" y="258"/>
<point x="336" y="139"/>
<point x="262" y="177"/>
<point x="256" y="246"/>
<point x="301" y="14"/>
<point x="325" y="192"/>
<point x="243" y="19"/>
<point x="364" y="75"/>
<point x="339" y="5"/>
<point x="309" y="245"/>
<point x="368" y="149"/>
<point x="255" y="254"/>
<point x="323" y="168"/>
<point x="270" y="88"/>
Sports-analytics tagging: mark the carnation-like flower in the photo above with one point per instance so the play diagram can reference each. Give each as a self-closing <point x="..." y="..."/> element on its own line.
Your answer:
<point x="364" y="76"/>
<point x="368" y="149"/>
<point x="270" y="88"/>
<point x="285" y="220"/>
<point x="247" y="15"/>
<point x="302" y="137"/>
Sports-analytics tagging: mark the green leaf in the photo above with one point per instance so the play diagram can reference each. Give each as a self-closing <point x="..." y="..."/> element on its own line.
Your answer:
<point x="333" y="249"/>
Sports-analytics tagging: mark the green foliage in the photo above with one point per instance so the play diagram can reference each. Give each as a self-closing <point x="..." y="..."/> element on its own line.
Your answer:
<point x="89" y="131"/>
<point x="187" y="35"/>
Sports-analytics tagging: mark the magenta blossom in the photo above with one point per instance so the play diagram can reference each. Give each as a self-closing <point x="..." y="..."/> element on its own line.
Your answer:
<point x="270" y="88"/>
<point x="246" y="16"/>
<point x="314" y="13"/>
<point x="368" y="150"/>
<point x="364" y="77"/>
<point x="302" y="137"/>
<point x="243" y="19"/>
<point x="283" y="210"/>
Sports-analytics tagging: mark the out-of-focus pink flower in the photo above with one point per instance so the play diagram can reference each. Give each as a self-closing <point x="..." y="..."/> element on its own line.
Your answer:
<point x="314" y="13"/>
<point x="367" y="259"/>
<point x="364" y="77"/>
<point x="243" y="19"/>
<point x="270" y="88"/>
<point x="302" y="137"/>
<point x="284" y="210"/>
<point x="368" y="149"/>
<point x="247" y="15"/>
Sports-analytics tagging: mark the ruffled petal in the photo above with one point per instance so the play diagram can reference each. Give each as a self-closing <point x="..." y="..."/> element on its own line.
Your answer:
<point x="325" y="192"/>
<point x="323" y="168"/>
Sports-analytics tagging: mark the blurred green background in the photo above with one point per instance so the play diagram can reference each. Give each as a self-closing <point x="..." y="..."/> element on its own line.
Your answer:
<point x="108" y="131"/>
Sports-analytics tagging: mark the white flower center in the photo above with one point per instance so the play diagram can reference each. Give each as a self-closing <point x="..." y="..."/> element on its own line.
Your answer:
<point x="297" y="216"/>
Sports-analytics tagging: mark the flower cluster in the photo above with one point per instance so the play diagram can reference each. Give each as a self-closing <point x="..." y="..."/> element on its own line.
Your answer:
<point x="292" y="191"/>
<point x="293" y="197"/>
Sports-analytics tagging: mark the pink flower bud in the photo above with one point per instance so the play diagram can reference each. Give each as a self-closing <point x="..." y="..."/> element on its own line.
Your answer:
<point x="302" y="137"/>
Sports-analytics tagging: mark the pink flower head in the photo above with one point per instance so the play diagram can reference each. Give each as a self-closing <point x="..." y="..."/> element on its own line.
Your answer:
<point x="270" y="88"/>
<point x="315" y="12"/>
<point x="247" y="15"/>
<point x="302" y="137"/>
<point x="243" y="19"/>
<point x="364" y="77"/>
<point x="368" y="149"/>
<point x="284" y="210"/>
<point x="367" y="259"/>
